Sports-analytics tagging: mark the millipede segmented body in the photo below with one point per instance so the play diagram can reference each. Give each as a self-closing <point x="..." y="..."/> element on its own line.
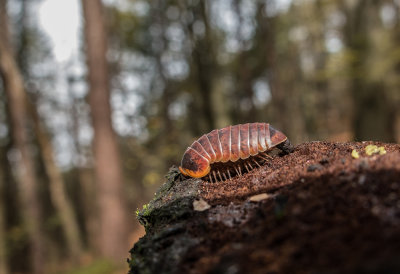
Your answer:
<point x="233" y="150"/>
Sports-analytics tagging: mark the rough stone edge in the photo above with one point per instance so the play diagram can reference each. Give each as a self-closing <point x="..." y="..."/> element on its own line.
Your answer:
<point x="160" y="217"/>
<point x="172" y="200"/>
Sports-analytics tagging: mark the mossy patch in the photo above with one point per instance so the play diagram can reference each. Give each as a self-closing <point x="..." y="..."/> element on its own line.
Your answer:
<point x="172" y="201"/>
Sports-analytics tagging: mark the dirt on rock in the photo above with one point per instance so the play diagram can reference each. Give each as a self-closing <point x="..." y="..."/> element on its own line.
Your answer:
<point x="317" y="210"/>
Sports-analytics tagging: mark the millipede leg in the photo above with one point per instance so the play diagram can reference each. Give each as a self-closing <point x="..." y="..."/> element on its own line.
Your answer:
<point x="240" y="171"/>
<point x="219" y="174"/>
<point x="229" y="174"/>
<point x="266" y="155"/>
<point x="223" y="174"/>
<point x="237" y="171"/>
<point x="209" y="176"/>
<point x="251" y="167"/>
<point x="245" y="165"/>
<point x="256" y="163"/>
<point x="215" y="177"/>
<point x="265" y="159"/>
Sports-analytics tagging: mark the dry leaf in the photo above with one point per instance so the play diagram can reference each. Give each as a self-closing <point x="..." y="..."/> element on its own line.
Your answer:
<point x="200" y="205"/>
<point x="259" y="197"/>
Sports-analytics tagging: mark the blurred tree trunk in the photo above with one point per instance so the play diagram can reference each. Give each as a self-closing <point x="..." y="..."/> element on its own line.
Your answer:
<point x="284" y="74"/>
<point x="58" y="195"/>
<point x="203" y="70"/>
<point x="88" y="200"/>
<point x="87" y="195"/>
<point x="113" y="236"/>
<point x="25" y="171"/>
<point x="246" y="71"/>
<point x="3" y="239"/>
<point x="394" y="86"/>
<point x="266" y="33"/>
<point x="167" y="134"/>
<point x="23" y="48"/>
<point x="244" y="77"/>
<point x="373" y="111"/>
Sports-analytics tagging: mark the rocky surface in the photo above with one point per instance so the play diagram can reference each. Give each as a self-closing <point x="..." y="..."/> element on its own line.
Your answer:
<point x="319" y="209"/>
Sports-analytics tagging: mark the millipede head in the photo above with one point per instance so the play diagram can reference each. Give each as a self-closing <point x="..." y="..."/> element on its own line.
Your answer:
<point x="276" y="137"/>
<point x="286" y="147"/>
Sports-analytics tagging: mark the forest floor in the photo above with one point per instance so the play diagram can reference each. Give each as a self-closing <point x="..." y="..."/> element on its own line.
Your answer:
<point x="319" y="209"/>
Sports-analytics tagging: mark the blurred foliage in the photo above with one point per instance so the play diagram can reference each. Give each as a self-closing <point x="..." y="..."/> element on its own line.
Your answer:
<point x="317" y="70"/>
<point x="96" y="267"/>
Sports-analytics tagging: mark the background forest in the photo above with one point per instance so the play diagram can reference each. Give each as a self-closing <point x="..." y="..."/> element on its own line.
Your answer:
<point x="81" y="150"/>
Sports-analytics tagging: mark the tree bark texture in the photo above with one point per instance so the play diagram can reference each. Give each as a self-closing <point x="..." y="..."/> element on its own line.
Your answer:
<point x="112" y="209"/>
<point x="25" y="171"/>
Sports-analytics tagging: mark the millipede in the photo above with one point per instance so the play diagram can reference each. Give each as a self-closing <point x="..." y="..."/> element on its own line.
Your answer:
<point x="232" y="151"/>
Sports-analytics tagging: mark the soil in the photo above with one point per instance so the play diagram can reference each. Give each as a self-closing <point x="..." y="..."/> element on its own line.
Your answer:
<point x="322" y="211"/>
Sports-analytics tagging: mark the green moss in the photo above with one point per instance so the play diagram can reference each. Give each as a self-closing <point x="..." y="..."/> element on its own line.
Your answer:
<point x="144" y="211"/>
<point x="168" y="193"/>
